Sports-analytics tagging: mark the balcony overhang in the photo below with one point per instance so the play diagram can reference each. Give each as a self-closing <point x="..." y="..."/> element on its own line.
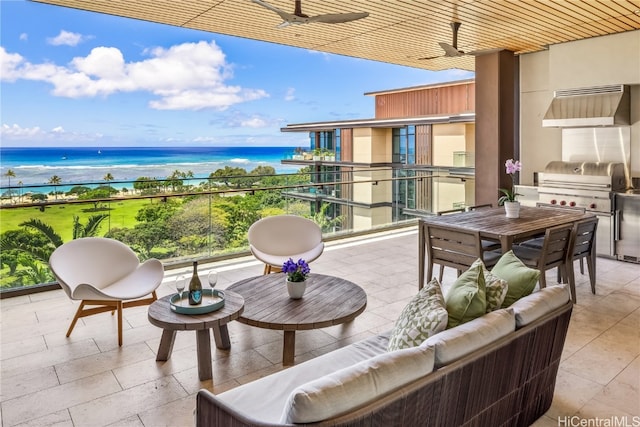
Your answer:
<point x="380" y="123"/>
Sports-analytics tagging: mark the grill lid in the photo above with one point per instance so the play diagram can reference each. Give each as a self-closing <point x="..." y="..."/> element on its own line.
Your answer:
<point x="609" y="176"/>
<point x="585" y="168"/>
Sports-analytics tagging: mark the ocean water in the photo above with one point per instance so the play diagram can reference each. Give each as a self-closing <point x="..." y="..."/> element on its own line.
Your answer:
<point x="35" y="166"/>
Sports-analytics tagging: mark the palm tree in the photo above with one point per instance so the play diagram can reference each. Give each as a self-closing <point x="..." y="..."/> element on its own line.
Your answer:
<point x="43" y="252"/>
<point x="10" y="174"/>
<point x="90" y="229"/>
<point x="55" y="180"/>
<point x="108" y="177"/>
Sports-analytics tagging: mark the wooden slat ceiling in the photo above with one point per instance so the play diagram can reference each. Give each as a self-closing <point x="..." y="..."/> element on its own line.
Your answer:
<point x="396" y="31"/>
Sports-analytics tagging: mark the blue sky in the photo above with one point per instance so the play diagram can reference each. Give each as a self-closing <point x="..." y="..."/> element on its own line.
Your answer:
<point x="74" y="78"/>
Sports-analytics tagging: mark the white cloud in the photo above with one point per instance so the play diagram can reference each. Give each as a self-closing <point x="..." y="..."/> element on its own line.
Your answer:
<point x="254" y="122"/>
<point x="325" y="55"/>
<point x="66" y="38"/>
<point x="238" y="119"/>
<point x="17" y="133"/>
<point x="24" y="37"/>
<point x="190" y="76"/>
<point x="290" y="95"/>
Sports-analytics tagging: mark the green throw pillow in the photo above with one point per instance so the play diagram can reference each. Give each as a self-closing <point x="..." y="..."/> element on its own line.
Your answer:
<point x="496" y="290"/>
<point x="466" y="300"/>
<point x="520" y="278"/>
<point x="425" y="315"/>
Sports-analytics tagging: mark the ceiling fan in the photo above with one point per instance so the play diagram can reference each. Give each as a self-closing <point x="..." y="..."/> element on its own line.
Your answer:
<point x="451" y="50"/>
<point x="297" y="17"/>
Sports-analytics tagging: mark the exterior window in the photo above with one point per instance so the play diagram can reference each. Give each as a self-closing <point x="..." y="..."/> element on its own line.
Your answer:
<point x="404" y="145"/>
<point x="395" y="146"/>
<point x="312" y="140"/>
<point x="404" y="195"/>
<point x="338" y="157"/>
<point x="325" y="140"/>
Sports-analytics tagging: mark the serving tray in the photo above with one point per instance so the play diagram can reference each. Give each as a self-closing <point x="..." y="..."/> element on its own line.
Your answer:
<point x="212" y="300"/>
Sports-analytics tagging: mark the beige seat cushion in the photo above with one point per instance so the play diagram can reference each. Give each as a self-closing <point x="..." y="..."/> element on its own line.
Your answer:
<point x="455" y="343"/>
<point x="532" y="307"/>
<point x="265" y="398"/>
<point x="352" y="387"/>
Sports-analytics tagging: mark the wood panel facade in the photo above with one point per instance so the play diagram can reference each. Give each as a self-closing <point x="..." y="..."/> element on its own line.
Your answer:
<point x="423" y="144"/>
<point x="346" y="145"/>
<point x="431" y="100"/>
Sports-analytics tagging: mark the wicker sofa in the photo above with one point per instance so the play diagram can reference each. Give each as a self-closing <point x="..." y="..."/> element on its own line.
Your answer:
<point x="479" y="373"/>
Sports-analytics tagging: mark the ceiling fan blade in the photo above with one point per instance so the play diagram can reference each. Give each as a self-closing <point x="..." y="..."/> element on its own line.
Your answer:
<point x="426" y="58"/>
<point x="271" y="8"/>
<point x="450" y="51"/>
<point x="338" y="18"/>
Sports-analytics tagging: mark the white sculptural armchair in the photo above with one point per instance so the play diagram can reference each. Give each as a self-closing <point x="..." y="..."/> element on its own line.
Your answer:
<point x="106" y="274"/>
<point x="275" y="239"/>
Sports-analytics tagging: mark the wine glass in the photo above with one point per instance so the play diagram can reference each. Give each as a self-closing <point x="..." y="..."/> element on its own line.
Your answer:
<point x="180" y="284"/>
<point x="212" y="278"/>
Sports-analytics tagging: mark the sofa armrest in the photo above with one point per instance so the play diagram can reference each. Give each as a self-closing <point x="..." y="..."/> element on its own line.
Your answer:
<point x="212" y="411"/>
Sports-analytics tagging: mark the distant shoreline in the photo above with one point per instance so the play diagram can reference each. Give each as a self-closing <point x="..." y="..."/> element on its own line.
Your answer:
<point x="80" y="165"/>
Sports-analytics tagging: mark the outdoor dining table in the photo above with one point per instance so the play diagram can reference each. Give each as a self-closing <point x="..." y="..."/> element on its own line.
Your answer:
<point x="493" y="224"/>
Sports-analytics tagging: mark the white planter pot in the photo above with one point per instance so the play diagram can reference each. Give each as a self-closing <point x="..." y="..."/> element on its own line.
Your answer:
<point x="296" y="289"/>
<point x="512" y="209"/>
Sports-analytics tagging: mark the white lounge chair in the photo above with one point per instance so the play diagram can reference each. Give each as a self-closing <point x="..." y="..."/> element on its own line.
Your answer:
<point x="104" y="273"/>
<point x="275" y="239"/>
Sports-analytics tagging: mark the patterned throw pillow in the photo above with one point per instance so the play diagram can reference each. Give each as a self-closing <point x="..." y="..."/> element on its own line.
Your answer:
<point x="425" y="315"/>
<point x="496" y="290"/>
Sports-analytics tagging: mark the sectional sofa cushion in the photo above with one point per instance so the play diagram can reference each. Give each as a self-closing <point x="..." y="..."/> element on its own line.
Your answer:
<point x="264" y="398"/>
<point x="520" y="278"/>
<point x="466" y="298"/>
<point x="425" y="315"/>
<point x="536" y="305"/>
<point x="453" y="344"/>
<point x="346" y="389"/>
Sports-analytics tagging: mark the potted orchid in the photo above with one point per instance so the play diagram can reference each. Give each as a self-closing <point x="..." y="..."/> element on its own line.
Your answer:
<point x="297" y="274"/>
<point x="509" y="198"/>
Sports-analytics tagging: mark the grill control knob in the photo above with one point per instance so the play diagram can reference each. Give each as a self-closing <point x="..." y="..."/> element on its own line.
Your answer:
<point x="572" y="203"/>
<point x="592" y="206"/>
<point x="562" y="203"/>
<point x="554" y="201"/>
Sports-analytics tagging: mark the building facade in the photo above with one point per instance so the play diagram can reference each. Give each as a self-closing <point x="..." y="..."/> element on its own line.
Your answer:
<point x="415" y="157"/>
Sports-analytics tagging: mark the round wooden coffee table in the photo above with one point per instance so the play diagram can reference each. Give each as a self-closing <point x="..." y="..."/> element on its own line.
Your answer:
<point x="160" y="315"/>
<point x="327" y="301"/>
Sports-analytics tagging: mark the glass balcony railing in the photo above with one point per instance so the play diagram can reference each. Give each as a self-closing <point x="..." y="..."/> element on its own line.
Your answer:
<point x="183" y="219"/>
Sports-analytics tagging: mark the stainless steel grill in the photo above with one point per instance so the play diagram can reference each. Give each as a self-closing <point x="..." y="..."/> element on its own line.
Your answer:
<point x="588" y="185"/>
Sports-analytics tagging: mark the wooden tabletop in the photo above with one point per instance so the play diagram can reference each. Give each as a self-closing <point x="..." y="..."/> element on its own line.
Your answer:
<point x="160" y="314"/>
<point x="327" y="301"/>
<point x="493" y="223"/>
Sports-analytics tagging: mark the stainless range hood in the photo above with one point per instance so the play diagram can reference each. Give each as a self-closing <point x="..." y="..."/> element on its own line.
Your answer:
<point x="589" y="107"/>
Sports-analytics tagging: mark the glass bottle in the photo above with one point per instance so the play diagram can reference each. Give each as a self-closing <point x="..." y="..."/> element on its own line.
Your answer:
<point x="195" y="287"/>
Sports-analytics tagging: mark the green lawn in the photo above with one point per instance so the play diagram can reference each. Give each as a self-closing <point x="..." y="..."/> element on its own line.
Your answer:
<point x="60" y="217"/>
